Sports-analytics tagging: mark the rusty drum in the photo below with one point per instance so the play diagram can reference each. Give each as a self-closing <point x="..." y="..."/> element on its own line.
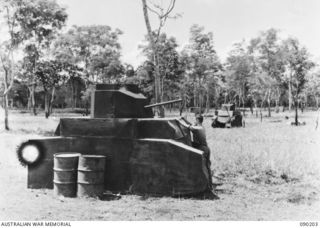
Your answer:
<point x="65" y="174"/>
<point x="91" y="171"/>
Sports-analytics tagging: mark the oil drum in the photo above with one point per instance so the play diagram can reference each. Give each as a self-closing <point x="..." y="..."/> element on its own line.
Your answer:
<point x="91" y="171"/>
<point x="65" y="174"/>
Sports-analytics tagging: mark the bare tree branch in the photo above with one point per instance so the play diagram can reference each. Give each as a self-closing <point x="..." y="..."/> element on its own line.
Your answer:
<point x="153" y="11"/>
<point x="170" y="8"/>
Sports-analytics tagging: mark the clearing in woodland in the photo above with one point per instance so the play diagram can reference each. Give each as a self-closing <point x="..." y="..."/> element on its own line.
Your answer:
<point x="269" y="171"/>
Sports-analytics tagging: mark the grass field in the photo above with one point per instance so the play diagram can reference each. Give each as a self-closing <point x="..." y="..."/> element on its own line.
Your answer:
<point x="269" y="171"/>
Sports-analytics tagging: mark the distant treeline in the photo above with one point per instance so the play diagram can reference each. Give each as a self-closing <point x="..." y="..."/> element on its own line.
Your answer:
<point x="56" y="67"/>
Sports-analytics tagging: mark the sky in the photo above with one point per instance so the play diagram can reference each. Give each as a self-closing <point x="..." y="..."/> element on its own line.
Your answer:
<point x="230" y="21"/>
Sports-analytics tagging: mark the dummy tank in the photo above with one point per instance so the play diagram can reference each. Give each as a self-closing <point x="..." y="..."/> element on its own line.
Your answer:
<point x="145" y="155"/>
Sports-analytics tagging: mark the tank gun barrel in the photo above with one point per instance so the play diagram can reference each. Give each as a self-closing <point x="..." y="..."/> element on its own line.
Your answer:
<point x="163" y="103"/>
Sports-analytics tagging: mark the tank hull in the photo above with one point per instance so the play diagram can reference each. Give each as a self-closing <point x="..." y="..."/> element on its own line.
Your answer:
<point x="140" y="166"/>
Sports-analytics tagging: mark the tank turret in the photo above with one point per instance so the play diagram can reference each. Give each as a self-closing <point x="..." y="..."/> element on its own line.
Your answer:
<point x="119" y="101"/>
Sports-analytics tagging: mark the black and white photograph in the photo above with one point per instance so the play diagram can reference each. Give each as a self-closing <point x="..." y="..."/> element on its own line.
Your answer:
<point x="159" y="110"/>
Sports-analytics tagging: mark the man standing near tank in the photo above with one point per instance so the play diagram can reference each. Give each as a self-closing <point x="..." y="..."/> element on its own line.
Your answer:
<point x="199" y="141"/>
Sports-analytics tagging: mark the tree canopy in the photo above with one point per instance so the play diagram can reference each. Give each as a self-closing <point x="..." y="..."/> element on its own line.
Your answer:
<point x="59" y="66"/>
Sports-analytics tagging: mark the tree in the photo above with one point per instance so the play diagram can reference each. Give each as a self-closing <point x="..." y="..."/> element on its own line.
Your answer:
<point x="18" y="94"/>
<point x="238" y="71"/>
<point x="163" y="14"/>
<point x="268" y="57"/>
<point x="202" y="63"/>
<point x="73" y="76"/>
<point x="298" y="64"/>
<point x="50" y="75"/>
<point x="92" y="53"/>
<point x="261" y="87"/>
<point x="313" y="86"/>
<point x="8" y="78"/>
<point x="144" y="78"/>
<point x="8" y="12"/>
<point x="169" y="65"/>
<point x="38" y="22"/>
<point x="107" y="67"/>
<point x="95" y="48"/>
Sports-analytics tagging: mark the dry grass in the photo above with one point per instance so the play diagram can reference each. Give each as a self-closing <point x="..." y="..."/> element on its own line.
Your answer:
<point x="269" y="170"/>
<point x="273" y="148"/>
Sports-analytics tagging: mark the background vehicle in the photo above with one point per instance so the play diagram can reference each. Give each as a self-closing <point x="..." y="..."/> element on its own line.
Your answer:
<point x="228" y="117"/>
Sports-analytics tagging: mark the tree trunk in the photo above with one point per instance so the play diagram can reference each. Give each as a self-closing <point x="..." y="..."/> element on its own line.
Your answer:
<point x="29" y="99"/>
<point x="5" y="101"/>
<point x="216" y="99"/>
<point x="301" y="106"/>
<point x="261" y="110"/>
<point x="158" y="85"/>
<point x="8" y="83"/>
<point x="76" y="105"/>
<point x="277" y="106"/>
<point x="6" y="113"/>
<point x="262" y="105"/>
<point x="51" y="101"/>
<point x="243" y="106"/>
<point x="199" y="95"/>
<point x="33" y="100"/>
<point x="46" y="104"/>
<point x="296" y="113"/>
<point x="183" y="105"/>
<point x="269" y="104"/>
<point x="200" y="102"/>
<point x="306" y="106"/>
<point x="290" y="94"/>
<point x="195" y="103"/>
<point x="256" y="107"/>
<point x="33" y="89"/>
<point x="154" y="49"/>
<point x="161" y="88"/>
<point x="208" y="100"/>
<point x="269" y="108"/>
<point x="72" y="94"/>
<point x="277" y="101"/>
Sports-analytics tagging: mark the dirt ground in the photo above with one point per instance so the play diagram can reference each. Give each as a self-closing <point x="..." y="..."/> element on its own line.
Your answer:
<point x="269" y="171"/>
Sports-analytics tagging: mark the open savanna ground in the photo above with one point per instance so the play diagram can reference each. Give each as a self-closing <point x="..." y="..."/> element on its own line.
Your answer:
<point x="269" y="171"/>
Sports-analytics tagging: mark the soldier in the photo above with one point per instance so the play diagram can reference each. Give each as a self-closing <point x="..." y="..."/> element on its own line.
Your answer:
<point x="199" y="141"/>
<point x="215" y="119"/>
